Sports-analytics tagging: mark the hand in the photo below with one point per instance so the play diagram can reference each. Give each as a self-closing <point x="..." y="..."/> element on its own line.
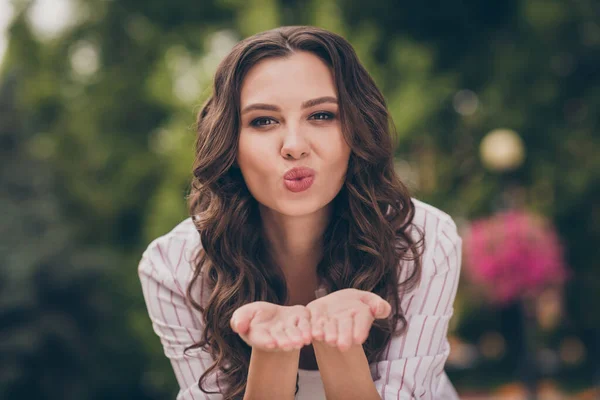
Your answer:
<point x="344" y="318"/>
<point x="272" y="327"/>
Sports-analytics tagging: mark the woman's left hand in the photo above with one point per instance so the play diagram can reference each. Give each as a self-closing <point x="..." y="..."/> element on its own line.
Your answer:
<point x="344" y="318"/>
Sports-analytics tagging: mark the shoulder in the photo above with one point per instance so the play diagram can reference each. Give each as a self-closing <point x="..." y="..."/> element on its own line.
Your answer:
<point x="441" y="236"/>
<point x="429" y="217"/>
<point x="436" y="287"/>
<point x="170" y="257"/>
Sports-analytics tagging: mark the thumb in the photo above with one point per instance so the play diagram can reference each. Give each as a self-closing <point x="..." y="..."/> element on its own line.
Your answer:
<point x="379" y="307"/>
<point x="240" y="320"/>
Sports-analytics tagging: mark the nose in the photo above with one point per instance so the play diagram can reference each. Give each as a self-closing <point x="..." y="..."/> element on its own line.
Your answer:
<point x="294" y="146"/>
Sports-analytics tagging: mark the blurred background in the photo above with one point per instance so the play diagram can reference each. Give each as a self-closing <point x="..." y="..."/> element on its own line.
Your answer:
<point x="496" y="105"/>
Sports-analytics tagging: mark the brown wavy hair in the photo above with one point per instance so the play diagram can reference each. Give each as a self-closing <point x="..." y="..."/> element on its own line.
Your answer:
<point x="372" y="207"/>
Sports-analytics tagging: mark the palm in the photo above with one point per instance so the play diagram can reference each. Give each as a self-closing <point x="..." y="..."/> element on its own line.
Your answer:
<point x="272" y="327"/>
<point x="340" y="302"/>
<point x="344" y="318"/>
<point x="268" y="315"/>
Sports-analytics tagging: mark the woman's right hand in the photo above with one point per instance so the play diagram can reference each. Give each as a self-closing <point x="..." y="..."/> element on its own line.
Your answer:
<point x="272" y="327"/>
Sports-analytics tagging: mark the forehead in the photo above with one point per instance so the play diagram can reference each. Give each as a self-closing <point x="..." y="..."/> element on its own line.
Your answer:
<point x="289" y="80"/>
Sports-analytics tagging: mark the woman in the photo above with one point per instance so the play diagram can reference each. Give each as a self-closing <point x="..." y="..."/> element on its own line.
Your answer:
<point x="306" y="269"/>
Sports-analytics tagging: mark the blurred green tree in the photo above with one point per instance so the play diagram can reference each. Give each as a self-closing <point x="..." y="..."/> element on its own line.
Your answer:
<point x="63" y="336"/>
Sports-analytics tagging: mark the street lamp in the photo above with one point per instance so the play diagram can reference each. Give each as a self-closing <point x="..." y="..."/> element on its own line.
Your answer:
<point x="502" y="150"/>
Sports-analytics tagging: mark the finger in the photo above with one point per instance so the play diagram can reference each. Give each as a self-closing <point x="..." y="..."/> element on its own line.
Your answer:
<point x="345" y="332"/>
<point x="318" y="328"/>
<point x="362" y="326"/>
<point x="292" y="332"/>
<point x="295" y="336"/>
<point x="379" y="307"/>
<point x="305" y="330"/>
<point x="240" y="320"/>
<point x="331" y="332"/>
<point x="283" y="342"/>
<point x="260" y="338"/>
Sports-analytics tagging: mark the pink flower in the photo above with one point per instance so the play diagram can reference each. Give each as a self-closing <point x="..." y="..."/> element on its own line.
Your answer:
<point x="513" y="254"/>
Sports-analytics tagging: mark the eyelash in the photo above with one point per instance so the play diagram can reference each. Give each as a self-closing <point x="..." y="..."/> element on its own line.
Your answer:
<point x="329" y="115"/>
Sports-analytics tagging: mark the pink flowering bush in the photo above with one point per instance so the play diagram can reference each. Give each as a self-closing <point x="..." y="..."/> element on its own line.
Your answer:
<point x="513" y="254"/>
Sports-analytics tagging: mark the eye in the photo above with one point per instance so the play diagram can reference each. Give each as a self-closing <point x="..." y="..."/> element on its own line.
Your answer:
<point x="262" y="121"/>
<point x="322" y="116"/>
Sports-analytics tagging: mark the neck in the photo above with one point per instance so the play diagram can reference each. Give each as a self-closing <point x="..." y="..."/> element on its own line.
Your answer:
<point x="296" y="245"/>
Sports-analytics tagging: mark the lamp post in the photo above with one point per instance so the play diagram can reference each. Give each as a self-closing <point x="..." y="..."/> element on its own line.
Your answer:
<point x="502" y="151"/>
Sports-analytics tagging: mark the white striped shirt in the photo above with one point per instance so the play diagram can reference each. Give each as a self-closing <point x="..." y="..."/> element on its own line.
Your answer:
<point x="412" y="365"/>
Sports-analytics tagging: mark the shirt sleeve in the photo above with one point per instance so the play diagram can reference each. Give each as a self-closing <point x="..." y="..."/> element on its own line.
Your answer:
<point x="173" y="320"/>
<point x="413" y="364"/>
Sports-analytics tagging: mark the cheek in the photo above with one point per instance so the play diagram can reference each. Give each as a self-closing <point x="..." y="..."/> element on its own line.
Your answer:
<point x="252" y="156"/>
<point x="336" y="152"/>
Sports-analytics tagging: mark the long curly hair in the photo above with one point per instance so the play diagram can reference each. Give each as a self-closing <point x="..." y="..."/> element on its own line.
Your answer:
<point x="368" y="241"/>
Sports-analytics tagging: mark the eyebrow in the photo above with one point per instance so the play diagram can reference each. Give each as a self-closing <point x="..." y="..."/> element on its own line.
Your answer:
<point x="306" y="104"/>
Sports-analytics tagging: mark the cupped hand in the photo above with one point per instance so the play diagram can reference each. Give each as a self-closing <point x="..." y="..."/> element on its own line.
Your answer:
<point x="344" y="318"/>
<point x="272" y="327"/>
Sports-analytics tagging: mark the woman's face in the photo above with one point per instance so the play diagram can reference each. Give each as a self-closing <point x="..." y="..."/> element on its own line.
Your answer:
<point x="290" y="119"/>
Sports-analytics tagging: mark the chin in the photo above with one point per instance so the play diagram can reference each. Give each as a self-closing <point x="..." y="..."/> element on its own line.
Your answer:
<point x="297" y="208"/>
